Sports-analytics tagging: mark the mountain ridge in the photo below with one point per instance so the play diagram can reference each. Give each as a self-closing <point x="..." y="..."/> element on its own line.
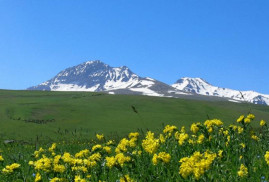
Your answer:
<point x="96" y="76"/>
<point x="202" y="87"/>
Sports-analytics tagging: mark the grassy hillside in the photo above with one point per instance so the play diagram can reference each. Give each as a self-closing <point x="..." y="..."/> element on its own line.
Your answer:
<point x="28" y="115"/>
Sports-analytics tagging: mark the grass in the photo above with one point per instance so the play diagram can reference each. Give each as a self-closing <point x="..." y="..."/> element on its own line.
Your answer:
<point x="79" y="115"/>
<point x="71" y="119"/>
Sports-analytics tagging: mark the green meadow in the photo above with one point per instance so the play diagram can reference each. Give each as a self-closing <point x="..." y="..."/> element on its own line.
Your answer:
<point x="56" y="116"/>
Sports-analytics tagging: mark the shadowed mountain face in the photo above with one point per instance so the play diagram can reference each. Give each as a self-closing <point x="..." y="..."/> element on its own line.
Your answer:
<point x="97" y="76"/>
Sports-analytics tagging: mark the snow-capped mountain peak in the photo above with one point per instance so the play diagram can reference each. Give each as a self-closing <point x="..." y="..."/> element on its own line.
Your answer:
<point x="192" y="84"/>
<point x="202" y="87"/>
<point x="98" y="76"/>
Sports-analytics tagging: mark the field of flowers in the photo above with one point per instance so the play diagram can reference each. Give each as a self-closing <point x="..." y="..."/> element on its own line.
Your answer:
<point x="208" y="151"/>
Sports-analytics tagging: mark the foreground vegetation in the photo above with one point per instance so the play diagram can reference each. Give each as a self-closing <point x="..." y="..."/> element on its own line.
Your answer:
<point x="208" y="151"/>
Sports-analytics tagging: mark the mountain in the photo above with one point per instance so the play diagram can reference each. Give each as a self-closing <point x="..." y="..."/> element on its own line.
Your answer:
<point x="98" y="76"/>
<point x="202" y="87"/>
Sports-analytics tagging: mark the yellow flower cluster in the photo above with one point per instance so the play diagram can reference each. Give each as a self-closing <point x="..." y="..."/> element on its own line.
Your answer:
<point x="243" y="119"/>
<point x="195" y="127"/>
<point x="119" y="159"/>
<point x="197" y="164"/>
<point x="202" y="150"/>
<point x="239" y="129"/>
<point x="125" y="143"/>
<point x="10" y="168"/>
<point x="243" y="171"/>
<point x="80" y="162"/>
<point x="181" y="137"/>
<point x="162" y="156"/>
<point x="211" y="123"/>
<point x="133" y="135"/>
<point x="169" y="129"/>
<point x="150" y="144"/>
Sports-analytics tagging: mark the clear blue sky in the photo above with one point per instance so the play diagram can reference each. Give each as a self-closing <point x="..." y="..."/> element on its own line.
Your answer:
<point x="226" y="42"/>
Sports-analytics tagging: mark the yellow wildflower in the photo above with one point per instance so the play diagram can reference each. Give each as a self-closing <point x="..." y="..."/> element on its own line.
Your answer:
<point x="161" y="138"/>
<point x="240" y="129"/>
<point x="182" y="137"/>
<point x="43" y="164"/>
<point x="262" y="123"/>
<point x="165" y="157"/>
<point x="1" y="158"/>
<point x="251" y="116"/>
<point x="247" y="120"/>
<point x="110" y="142"/>
<point x="80" y="168"/>
<point x="100" y="136"/>
<point x="110" y="161"/>
<point x="10" y="168"/>
<point x="38" y="152"/>
<point x="135" y="152"/>
<point x="121" y="159"/>
<point x="37" y="177"/>
<point x="243" y="171"/>
<point x="133" y="135"/>
<point x="83" y="153"/>
<point x="95" y="147"/>
<point x="242" y="145"/>
<point x="95" y="157"/>
<point x="195" y="128"/>
<point x="210" y="123"/>
<point x="169" y="129"/>
<point x="107" y="149"/>
<point x="220" y="153"/>
<point x="254" y="137"/>
<point x="226" y="132"/>
<point x="59" y="168"/>
<point x="162" y="156"/>
<point x="155" y="159"/>
<point x="240" y="119"/>
<point x="200" y="139"/>
<point x="53" y="147"/>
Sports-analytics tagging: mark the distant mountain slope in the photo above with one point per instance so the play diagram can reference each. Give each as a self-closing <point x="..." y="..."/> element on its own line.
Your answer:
<point x="97" y="76"/>
<point x="200" y="86"/>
